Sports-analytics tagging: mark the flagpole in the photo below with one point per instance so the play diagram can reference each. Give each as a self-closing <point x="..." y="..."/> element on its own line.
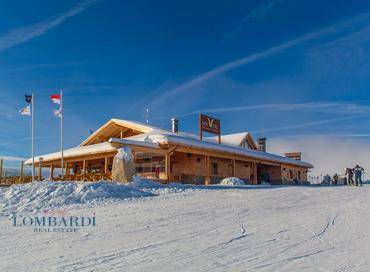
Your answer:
<point x="61" y="130"/>
<point x="33" y="135"/>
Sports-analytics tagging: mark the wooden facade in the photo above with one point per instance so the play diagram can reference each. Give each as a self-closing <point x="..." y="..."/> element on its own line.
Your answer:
<point x="170" y="161"/>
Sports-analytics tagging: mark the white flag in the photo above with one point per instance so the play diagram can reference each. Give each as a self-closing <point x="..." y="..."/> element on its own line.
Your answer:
<point x="58" y="113"/>
<point x="26" y="110"/>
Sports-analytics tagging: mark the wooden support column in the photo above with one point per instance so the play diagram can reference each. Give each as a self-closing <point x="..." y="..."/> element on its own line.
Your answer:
<point x="1" y="169"/>
<point x="84" y="166"/>
<point x="121" y="133"/>
<point x="51" y="171"/>
<point x="40" y="171"/>
<point x="168" y="167"/>
<point x="208" y="175"/>
<point x="68" y="169"/>
<point x="21" y="165"/>
<point x="233" y="162"/>
<point x="106" y="165"/>
<point x="254" y="171"/>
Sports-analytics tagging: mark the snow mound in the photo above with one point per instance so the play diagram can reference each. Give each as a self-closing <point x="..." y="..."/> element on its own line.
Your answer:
<point x="141" y="183"/>
<point x="48" y="194"/>
<point x="232" y="181"/>
<point x="159" y="188"/>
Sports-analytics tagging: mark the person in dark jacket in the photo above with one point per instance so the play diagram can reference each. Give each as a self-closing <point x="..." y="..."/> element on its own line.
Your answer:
<point x="335" y="179"/>
<point x="349" y="173"/>
<point x="358" y="174"/>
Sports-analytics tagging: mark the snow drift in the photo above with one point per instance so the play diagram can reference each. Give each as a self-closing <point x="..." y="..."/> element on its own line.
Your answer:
<point x="232" y="181"/>
<point x="48" y="194"/>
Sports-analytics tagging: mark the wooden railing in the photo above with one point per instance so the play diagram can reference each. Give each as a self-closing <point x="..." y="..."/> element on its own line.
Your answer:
<point x="6" y="181"/>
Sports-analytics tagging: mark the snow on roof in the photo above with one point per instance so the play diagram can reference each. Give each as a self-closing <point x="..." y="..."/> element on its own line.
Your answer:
<point x="230" y="139"/>
<point x="193" y="142"/>
<point x="156" y="135"/>
<point x="143" y="126"/>
<point x="75" y="151"/>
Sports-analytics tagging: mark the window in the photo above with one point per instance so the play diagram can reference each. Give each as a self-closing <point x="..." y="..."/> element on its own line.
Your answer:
<point x="214" y="168"/>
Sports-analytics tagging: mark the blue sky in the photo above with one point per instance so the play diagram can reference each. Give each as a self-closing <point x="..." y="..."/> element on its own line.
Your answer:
<point x="279" y="68"/>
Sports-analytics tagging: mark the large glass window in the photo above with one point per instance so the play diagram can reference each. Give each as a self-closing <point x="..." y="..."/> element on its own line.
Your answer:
<point x="148" y="163"/>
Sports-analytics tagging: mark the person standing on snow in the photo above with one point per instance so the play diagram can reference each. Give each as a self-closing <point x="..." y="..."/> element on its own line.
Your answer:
<point x="349" y="173"/>
<point x="358" y="174"/>
<point x="335" y="179"/>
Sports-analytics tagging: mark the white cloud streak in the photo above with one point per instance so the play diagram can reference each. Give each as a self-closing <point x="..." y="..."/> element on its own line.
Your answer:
<point x="328" y="153"/>
<point x="26" y="33"/>
<point x="256" y="13"/>
<point x="308" y="124"/>
<point x="11" y="158"/>
<point x="328" y="107"/>
<point x="258" y="56"/>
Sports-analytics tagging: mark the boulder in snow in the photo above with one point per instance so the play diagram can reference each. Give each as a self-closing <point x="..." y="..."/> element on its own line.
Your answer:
<point x="123" y="169"/>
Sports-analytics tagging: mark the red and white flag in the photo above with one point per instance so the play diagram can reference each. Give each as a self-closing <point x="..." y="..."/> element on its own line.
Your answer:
<point x="55" y="98"/>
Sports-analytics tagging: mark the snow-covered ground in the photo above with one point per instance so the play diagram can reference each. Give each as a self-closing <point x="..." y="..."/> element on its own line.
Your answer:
<point x="186" y="228"/>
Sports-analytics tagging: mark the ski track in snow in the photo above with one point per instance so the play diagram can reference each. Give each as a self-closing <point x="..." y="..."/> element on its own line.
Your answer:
<point x="214" y="229"/>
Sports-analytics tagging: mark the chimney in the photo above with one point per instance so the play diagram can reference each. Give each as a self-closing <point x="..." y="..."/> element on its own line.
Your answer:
<point x="261" y="142"/>
<point x="175" y="125"/>
<point x="294" y="155"/>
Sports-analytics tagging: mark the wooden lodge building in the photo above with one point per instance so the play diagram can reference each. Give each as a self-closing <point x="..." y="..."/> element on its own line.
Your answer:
<point x="172" y="155"/>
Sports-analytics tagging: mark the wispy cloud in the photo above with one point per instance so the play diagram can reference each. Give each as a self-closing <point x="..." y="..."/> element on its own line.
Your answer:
<point x="327" y="107"/>
<point x="308" y="124"/>
<point x="198" y="80"/>
<point x="11" y="158"/>
<point x="40" y="66"/>
<point x="25" y="140"/>
<point x="26" y="33"/>
<point x="328" y="153"/>
<point x="256" y="13"/>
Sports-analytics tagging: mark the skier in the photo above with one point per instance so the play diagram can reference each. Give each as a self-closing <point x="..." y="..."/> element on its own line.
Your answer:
<point x="349" y="173"/>
<point x="358" y="173"/>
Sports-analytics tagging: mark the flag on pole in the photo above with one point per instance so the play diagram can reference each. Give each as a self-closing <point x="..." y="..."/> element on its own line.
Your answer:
<point x="57" y="113"/>
<point x="27" y="109"/>
<point x="28" y="98"/>
<point x="30" y="110"/>
<point x="57" y="100"/>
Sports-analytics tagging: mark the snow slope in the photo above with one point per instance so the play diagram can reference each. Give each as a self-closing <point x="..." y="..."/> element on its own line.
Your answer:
<point x="219" y="228"/>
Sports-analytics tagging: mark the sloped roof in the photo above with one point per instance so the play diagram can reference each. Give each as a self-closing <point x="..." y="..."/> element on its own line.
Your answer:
<point x="171" y="138"/>
<point x="234" y="139"/>
<point x="75" y="151"/>
<point x="104" y="129"/>
<point x="152" y="136"/>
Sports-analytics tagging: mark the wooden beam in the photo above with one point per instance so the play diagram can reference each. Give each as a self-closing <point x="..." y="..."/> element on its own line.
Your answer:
<point x="208" y="173"/>
<point x="51" y="171"/>
<point x="254" y="169"/>
<point x="106" y="165"/>
<point x="168" y="166"/>
<point x="233" y="162"/>
<point x="84" y="167"/>
<point x="40" y="171"/>
<point x="21" y="165"/>
<point x="68" y="170"/>
<point x="1" y="169"/>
